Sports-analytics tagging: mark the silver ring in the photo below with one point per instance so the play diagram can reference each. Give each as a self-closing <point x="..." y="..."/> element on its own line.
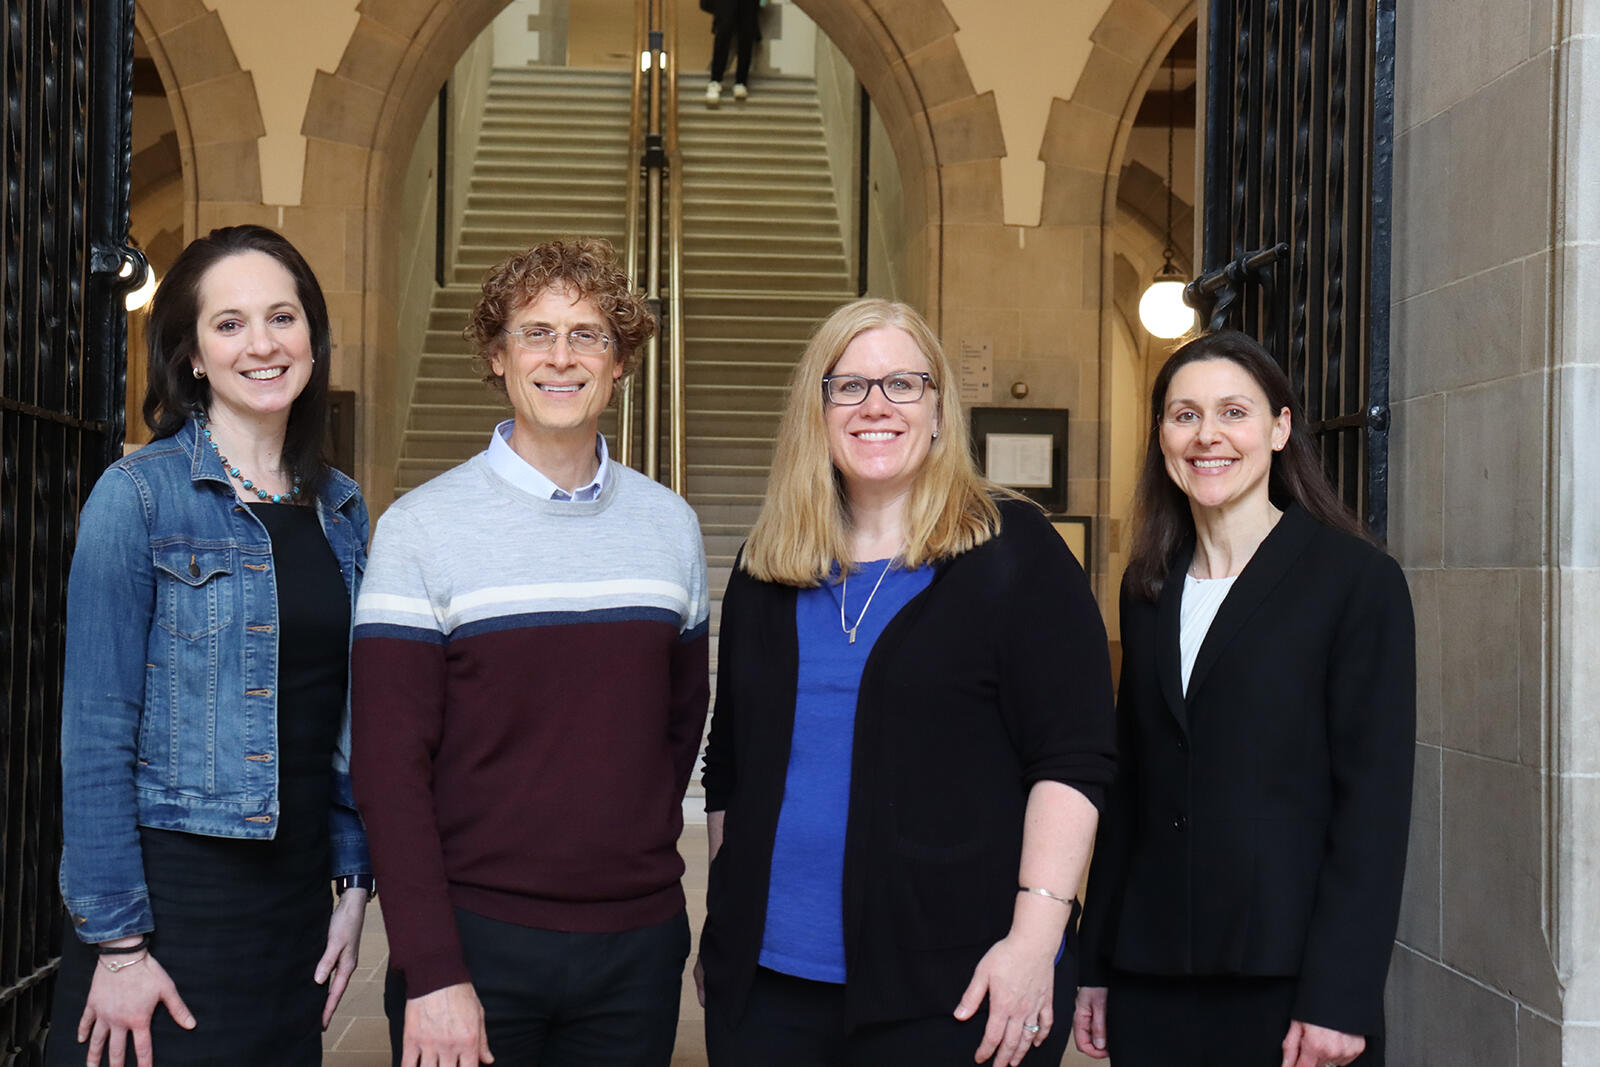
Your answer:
<point x="1033" y="1028"/>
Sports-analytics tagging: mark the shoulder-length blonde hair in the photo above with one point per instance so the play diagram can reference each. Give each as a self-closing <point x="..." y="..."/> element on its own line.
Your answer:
<point x="804" y="525"/>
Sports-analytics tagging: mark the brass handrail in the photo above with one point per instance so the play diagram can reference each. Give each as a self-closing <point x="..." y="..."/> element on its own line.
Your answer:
<point x="653" y="143"/>
<point x="641" y="39"/>
<point x="675" y="355"/>
<point x="652" y="252"/>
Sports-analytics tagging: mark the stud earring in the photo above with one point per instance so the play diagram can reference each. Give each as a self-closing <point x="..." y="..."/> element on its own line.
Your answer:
<point x="936" y="435"/>
<point x="197" y="372"/>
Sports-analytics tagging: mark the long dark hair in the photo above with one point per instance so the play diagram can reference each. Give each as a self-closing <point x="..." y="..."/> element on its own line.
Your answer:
<point x="171" y="335"/>
<point x="1162" y="520"/>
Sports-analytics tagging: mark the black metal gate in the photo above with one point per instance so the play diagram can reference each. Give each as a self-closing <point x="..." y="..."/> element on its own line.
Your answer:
<point x="1299" y="158"/>
<point x="65" y="131"/>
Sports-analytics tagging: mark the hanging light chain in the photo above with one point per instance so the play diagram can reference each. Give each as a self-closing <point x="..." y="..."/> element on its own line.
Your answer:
<point x="1172" y="120"/>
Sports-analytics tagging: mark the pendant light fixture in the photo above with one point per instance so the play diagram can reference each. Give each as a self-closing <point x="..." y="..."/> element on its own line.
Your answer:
<point x="1161" y="308"/>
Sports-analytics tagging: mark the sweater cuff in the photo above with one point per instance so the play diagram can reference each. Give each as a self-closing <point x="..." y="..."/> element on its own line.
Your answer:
<point x="434" y="971"/>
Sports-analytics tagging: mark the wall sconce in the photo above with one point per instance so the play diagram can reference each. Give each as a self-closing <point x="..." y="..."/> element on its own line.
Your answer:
<point x="141" y="296"/>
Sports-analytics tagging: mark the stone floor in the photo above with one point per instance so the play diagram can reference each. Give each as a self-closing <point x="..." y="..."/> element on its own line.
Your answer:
<point x="359" y="1036"/>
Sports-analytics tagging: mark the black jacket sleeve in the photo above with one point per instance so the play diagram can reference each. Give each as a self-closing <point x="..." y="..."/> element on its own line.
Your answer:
<point x="1371" y="735"/>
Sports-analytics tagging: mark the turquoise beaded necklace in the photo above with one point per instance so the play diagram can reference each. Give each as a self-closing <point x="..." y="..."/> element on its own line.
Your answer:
<point x="272" y="498"/>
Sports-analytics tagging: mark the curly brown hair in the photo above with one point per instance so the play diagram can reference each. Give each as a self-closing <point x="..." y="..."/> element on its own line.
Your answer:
<point x="587" y="265"/>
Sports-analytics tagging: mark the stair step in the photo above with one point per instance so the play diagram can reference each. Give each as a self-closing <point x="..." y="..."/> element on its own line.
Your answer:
<point x="731" y="326"/>
<point x="808" y="307"/>
<point x="716" y="224"/>
<point x="490" y="191"/>
<point x="733" y="510"/>
<point x="779" y="260"/>
<point x="743" y="484"/>
<point x="595" y="164"/>
<point x="482" y="417"/>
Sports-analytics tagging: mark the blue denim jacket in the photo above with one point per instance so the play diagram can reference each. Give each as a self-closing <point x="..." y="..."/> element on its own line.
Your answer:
<point x="169" y="710"/>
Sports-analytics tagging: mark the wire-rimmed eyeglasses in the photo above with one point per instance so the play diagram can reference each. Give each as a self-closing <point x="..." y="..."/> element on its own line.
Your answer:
<point x="580" y="342"/>
<point x="901" y="387"/>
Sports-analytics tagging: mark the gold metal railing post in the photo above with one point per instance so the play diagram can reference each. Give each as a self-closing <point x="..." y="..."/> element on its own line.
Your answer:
<point x="675" y="354"/>
<point x="652" y="252"/>
<point x="641" y="41"/>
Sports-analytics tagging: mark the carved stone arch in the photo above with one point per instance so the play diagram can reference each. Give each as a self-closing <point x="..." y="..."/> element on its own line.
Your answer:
<point x="904" y="53"/>
<point x="214" y="109"/>
<point x="363" y="119"/>
<point x="1085" y="141"/>
<point x="946" y="136"/>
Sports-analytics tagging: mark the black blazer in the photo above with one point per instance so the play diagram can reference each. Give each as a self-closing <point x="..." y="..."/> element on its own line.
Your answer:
<point x="1259" y="826"/>
<point x="993" y="678"/>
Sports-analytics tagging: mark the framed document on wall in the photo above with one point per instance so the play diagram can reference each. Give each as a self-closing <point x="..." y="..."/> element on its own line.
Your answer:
<point x="1024" y="449"/>
<point x="1075" y="531"/>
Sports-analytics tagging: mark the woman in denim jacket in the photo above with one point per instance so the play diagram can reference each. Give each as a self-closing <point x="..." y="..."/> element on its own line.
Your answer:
<point x="205" y="723"/>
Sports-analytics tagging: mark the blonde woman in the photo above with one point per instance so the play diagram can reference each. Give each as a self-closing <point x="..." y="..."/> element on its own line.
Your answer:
<point x="912" y="730"/>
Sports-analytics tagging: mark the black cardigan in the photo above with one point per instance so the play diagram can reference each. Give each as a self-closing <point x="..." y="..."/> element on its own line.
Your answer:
<point x="993" y="678"/>
<point x="1259" y="826"/>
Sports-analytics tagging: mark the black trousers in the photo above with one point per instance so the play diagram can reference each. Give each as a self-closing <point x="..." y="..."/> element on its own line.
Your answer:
<point x="734" y="19"/>
<point x="1154" y="1021"/>
<point x="793" y="1022"/>
<point x="557" y="999"/>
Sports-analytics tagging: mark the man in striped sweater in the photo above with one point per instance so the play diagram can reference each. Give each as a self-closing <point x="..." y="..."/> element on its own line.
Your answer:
<point x="529" y="685"/>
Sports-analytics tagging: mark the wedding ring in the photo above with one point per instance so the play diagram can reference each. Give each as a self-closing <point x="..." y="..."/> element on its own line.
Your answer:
<point x="1033" y="1028"/>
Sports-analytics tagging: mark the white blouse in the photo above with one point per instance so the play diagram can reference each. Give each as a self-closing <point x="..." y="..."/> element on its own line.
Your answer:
<point x="1201" y="599"/>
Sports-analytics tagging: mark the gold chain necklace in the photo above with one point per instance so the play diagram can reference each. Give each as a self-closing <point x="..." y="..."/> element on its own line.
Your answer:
<point x="844" y="591"/>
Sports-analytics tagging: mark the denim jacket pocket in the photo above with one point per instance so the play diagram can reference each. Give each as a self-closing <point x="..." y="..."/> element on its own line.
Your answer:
<point x="191" y="602"/>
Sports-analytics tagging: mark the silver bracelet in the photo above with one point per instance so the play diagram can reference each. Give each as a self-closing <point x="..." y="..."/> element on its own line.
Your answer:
<point x="116" y="965"/>
<point x="1067" y="901"/>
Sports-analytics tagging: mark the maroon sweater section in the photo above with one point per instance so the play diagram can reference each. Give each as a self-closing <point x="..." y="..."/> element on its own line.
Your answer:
<point x="533" y="775"/>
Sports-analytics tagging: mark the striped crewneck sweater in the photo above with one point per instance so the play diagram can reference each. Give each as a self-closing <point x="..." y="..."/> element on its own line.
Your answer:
<point x="528" y="687"/>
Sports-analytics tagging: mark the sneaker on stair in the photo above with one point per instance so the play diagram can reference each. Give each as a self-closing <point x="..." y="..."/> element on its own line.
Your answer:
<point x="714" y="93"/>
<point x="740" y="91"/>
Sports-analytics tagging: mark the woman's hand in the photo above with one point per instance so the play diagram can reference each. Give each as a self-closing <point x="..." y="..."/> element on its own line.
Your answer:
<point x="1308" y="1045"/>
<point x="1018" y="976"/>
<point x="338" y="961"/>
<point x="699" y="980"/>
<point x="1089" y="1022"/>
<point x="121" y="1004"/>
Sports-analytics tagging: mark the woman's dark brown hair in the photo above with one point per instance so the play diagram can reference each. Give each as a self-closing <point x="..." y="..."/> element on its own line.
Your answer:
<point x="171" y="334"/>
<point x="1162" y="521"/>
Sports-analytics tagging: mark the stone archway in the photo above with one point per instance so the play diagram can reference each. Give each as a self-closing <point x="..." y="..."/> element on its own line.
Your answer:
<point x="1085" y="142"/>
<point x="214" y="109"/>
<point x="363" y="119"/>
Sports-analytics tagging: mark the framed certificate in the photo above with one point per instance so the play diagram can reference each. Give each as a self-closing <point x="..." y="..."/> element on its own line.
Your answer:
<point x="1024" y="449"/>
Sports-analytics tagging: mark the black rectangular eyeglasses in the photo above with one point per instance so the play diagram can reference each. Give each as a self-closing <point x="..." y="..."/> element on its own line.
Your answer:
<point x="901" y="387"/>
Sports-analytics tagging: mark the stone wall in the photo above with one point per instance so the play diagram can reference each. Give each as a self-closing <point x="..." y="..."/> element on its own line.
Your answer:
<point x="1492" y="504"/>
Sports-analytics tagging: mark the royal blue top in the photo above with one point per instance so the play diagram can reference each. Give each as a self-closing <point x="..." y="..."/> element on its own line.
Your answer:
<point x="804" y="933"/>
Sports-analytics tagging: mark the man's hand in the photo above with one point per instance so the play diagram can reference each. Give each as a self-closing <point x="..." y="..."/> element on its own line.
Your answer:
<point x="1307" y="1045"/>
<point x="445" y="1029"/>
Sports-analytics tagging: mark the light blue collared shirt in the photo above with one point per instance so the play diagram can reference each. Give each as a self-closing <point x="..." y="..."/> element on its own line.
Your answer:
<point x="505" y="462"/>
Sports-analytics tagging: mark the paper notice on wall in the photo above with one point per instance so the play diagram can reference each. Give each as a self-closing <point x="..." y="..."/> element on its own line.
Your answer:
<point x="977" y="372"/>
<point x="1019" y="460"/>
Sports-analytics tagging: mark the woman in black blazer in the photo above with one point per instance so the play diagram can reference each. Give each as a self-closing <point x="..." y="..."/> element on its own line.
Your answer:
<point x="912" y="731"/>
<point x="1246" y="882"/>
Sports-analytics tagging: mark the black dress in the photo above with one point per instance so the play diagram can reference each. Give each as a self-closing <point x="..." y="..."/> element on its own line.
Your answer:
<point x="241" y="924"/>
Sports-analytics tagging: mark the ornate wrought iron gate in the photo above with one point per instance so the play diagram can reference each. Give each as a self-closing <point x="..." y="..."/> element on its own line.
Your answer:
<point x="64" y="137"/>
<point x="1299" y="159"/>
